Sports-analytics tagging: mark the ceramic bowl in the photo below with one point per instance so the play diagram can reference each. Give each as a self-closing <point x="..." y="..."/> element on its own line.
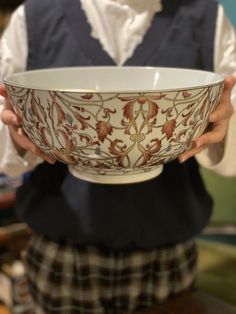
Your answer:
<point x="114" y="125"/>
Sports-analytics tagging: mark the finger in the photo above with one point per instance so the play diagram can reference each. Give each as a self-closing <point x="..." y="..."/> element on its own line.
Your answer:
<point x="36" y="151"/>
<point x="48" y="158"/>
<point x="7" y="104"/>
<point x="222" y="112"/>
<point x="29" y="146"/>
<point x="190" y="153"/>
<point x="24" y="143"/>
<point x="8" y="117"/>
<point x="3" y="91"/>
<point x="21" y="140"/>
<point x="224" y="109"/>
<point x="230" y="81"/>
<point x="220" y="117"/>
<point x="216" y="135"/>
<point x="229" y="84"/>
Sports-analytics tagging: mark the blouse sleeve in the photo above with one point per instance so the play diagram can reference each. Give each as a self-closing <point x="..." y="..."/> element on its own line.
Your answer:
<point x="13" y="58"/>
<point x="221" y="157"/>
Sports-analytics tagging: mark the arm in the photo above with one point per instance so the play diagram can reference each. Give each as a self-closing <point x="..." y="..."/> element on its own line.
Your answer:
<point x="17" y="154"/>
<point x="221" y="157"/>
<point x="211" y="148"/>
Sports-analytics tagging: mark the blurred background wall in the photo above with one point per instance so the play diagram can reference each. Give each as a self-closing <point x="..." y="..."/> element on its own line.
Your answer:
<point x="6" y="7"/>
<point x="230" y="8"/>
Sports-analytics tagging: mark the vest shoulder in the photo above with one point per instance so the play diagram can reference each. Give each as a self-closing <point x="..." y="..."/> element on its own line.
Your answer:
<point x="202" y="3"/>
<point x="199" y="8"/>
<point x="42" y="3"/>
<point x="196" y="6"/>
<point x="39" y="12"/>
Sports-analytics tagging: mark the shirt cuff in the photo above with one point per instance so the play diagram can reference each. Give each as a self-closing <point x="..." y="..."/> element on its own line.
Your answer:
<point x="220" y="158"/>
<point x="11" y="163"/>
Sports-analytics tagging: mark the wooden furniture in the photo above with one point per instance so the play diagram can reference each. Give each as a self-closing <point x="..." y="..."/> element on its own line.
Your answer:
<point x="196" y="302"/>
<point x="6" y="8"/>
<point x="9" y="4"/>
<point x="4" y="310"/>
<point x="7" y="200"/>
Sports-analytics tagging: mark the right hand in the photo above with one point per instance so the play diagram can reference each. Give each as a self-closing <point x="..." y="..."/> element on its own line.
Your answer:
<point x="20" y="140"/>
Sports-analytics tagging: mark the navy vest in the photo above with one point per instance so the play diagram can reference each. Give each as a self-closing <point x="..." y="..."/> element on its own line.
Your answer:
<point x="166" y="210"/>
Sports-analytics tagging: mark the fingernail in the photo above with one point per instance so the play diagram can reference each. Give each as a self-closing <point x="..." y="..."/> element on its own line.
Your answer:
<point x="20" y="131"/>
<point x="198" y="145"/>
<point x="212" y="118"/>
<point x="182" y="159"/>
<point x="51" y="161"/>
<point x="15" y="120"/>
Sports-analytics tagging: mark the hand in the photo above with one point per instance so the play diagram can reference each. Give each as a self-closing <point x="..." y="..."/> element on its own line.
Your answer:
<point x="219" y="121"/>
<point x="20" y="140"/>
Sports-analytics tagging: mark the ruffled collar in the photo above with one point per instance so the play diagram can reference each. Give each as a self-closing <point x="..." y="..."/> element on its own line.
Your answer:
<point x="120" y="25"/>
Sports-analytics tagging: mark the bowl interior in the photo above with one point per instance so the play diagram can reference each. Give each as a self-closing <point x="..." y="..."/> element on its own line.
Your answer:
<point x="113" y="79"/>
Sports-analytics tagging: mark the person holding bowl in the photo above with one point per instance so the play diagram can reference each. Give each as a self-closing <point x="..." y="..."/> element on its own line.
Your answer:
<point x="116" y="248"/>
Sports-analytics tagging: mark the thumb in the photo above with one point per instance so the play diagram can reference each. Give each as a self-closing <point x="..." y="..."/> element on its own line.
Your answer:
<point x="3" y="91"/>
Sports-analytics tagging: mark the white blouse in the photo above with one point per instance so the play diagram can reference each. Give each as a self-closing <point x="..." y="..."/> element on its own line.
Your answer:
<point x="119" y="35"/>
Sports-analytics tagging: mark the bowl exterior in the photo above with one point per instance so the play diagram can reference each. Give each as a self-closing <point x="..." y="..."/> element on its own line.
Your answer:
<point x="114" y="134"/>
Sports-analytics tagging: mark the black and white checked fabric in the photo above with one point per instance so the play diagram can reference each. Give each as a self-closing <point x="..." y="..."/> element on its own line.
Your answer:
<point x="64" y="279"/>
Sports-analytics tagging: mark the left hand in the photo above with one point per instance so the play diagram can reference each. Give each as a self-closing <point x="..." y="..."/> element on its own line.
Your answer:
<point x="219" y="121"/>
<point x="21" y="142"/>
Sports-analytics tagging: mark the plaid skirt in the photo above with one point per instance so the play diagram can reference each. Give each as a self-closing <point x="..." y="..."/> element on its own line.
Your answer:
<point x="65" y="279"/>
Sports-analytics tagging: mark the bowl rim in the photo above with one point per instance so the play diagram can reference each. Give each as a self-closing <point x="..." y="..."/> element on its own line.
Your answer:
<point x="7" y="80"/>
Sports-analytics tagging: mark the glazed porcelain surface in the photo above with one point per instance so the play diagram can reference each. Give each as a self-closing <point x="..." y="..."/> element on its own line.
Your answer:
<point x="114" y="125"/>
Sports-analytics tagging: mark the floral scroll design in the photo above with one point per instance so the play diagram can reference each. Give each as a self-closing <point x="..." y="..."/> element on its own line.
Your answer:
<point x="108" y="132"/>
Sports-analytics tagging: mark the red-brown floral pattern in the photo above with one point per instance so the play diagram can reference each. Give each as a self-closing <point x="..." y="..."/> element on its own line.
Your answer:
<point x="108" y="133"/>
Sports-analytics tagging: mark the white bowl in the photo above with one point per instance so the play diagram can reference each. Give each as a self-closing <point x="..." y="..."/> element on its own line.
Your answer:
<point x="114" y="124"/>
